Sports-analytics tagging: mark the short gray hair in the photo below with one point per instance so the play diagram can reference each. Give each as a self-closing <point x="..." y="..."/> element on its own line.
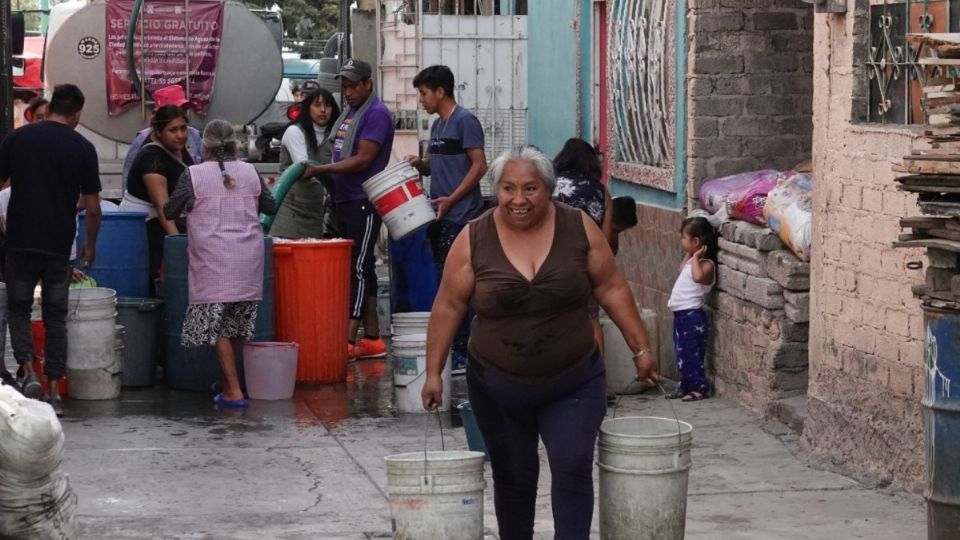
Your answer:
<point x="530" y="154"/>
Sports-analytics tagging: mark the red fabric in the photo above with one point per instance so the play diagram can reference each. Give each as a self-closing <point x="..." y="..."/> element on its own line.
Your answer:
<point x="33" y="59"/>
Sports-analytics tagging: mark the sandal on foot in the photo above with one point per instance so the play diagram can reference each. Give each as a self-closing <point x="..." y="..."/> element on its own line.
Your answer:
<point x="234" y="403"/>
<point x="694" y="396"/>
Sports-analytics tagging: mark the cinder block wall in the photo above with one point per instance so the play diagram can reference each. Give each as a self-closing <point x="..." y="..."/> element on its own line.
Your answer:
<point x="750" y="86"/>
<point x="866" y="328"/>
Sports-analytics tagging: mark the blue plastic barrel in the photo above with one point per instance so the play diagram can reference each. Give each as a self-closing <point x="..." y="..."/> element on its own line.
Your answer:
<point x="196" y="368"/>
<point x="122" y="260"/>
<point x="941" y="415"/>
<point x="413" y="274"/>
<point x="472" y="429"/>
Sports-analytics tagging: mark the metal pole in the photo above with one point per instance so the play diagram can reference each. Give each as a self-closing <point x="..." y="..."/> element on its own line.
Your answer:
<point x="6" y="75"/>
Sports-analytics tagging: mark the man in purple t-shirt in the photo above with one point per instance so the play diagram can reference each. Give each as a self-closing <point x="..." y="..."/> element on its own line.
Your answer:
<point x="360" y="152"/>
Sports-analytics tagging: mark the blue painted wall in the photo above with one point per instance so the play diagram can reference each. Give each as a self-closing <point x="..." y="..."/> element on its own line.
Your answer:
<point x="552" y="89"/>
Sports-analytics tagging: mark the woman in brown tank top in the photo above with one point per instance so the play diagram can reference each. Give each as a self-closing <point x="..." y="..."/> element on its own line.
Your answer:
<point x="530" y="267"/>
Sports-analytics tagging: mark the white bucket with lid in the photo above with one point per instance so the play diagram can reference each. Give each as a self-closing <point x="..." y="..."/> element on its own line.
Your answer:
<point x="408" y="356"/>
<point x="400" y="201"/>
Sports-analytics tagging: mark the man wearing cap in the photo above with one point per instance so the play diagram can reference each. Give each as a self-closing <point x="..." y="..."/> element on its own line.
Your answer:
<point x="168" y="95"/>
<point x="362" y="142"/>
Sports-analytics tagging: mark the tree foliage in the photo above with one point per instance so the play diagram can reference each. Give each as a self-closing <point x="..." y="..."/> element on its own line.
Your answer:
<point x="306" y="23"/>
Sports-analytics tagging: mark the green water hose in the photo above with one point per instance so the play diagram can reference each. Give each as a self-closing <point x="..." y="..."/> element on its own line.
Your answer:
<point x="131" y="33"/>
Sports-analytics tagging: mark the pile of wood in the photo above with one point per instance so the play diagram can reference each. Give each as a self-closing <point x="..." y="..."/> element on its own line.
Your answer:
<point x="932" y="170"/>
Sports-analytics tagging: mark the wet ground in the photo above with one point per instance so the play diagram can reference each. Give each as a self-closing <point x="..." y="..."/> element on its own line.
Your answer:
<point x="167" y="464"/>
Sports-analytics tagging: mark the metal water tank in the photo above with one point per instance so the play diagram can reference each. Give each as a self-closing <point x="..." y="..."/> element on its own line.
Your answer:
<point x="248" y="75"/>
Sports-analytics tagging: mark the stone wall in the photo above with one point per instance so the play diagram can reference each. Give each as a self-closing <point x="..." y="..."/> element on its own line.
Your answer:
<point x="760" y="311"/>
<point x="863" y="411"/>
<point x="749" y="86"/>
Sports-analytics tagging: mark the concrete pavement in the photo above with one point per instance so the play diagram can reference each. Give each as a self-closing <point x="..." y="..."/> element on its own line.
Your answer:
<point x="166" y="464"/>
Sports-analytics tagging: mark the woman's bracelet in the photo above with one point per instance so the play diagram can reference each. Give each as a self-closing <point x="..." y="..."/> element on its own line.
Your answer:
<point x="641" y="352"/>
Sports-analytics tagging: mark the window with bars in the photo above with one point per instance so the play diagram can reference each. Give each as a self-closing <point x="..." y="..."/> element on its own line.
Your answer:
<point x="890" y="62"/>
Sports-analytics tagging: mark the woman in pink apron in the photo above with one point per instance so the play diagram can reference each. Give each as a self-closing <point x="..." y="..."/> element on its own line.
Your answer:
<point x="223" y="199"/>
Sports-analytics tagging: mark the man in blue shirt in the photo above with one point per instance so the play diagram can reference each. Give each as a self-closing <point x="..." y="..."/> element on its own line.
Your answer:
<point x="456" y="162"/>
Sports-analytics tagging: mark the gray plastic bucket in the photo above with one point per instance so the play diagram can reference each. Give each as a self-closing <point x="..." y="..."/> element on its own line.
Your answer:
<point x="644" y="467"/>
<point x="142" y="319"/>
<point x="436" y="495"/>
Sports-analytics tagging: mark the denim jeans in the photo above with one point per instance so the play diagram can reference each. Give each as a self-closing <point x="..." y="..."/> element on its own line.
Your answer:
<point x="23" y="272"/>
<point x="566" y="413"/>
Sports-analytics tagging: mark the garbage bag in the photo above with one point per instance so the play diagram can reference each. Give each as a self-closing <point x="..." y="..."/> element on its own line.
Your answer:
<point x="743" y="195"/>
<point x="788" y="212"/>
<point x="36" y="500"/>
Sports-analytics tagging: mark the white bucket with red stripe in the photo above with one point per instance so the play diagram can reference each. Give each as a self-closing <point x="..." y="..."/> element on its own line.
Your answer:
<point x="398" y="196"/>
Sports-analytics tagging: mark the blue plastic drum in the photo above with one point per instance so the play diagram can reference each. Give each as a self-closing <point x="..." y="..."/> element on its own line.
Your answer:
<point x="122" y="260"/>
<point x="196" y="368"/>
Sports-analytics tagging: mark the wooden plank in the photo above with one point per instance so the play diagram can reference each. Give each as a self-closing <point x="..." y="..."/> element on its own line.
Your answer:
<point x="940" y="157"/>
<point x="917" y="166"/>
<point x="929" y="189"/>
<point x="929" y="180"/>
<point x="924" y="222"/>
<point x="939" y="208"/>
<point x="938" y="243"/>
<point x="945" y="234"/>
<point x="939" y="61"/>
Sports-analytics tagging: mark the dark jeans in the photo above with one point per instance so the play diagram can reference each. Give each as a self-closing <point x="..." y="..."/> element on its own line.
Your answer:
<point x="23" y="272"/>
<point x="442" y="234"/>
<point x="358" y="221"/>
<point x="566" y="413"/>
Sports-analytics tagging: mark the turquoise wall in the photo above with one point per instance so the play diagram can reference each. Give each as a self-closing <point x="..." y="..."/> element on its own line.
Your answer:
<point x="552" y="90"/>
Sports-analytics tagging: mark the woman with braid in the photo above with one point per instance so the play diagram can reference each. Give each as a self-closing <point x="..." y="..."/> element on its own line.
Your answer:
<point x="223" y="199"/>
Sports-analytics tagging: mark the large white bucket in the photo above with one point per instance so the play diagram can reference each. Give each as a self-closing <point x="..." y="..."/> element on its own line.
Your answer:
<point x="436" y="495"/>
<point x="100" y="383"/>
<point x="408" y="356"/>
<point x="413" y="322"/>
<point x="644" y="466"/>
<point x="619" y="358"/>
<point x="398" y="196"/>
<point x="93" y="368"/>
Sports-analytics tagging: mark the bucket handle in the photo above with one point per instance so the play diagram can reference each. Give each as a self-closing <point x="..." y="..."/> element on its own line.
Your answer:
<point x="426" y="481"/>
<point x="673" y="410"/>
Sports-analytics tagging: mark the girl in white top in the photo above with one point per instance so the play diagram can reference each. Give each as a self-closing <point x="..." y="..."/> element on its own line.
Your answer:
<point x="690" y="324"/>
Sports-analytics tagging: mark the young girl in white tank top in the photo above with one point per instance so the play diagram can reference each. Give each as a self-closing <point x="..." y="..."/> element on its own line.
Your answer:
<point x="690" y="324"/>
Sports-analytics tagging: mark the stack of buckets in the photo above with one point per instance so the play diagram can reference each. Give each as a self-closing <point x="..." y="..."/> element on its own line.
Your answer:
<point x="409" y="360"/>
<point x="94" y="345"/>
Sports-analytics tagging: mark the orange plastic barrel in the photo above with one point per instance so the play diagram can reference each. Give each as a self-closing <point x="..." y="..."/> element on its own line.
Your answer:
<point x="312" y="293"/>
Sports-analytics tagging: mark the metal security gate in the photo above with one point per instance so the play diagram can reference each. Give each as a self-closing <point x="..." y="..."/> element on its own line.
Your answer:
<point x="488" y="56"/>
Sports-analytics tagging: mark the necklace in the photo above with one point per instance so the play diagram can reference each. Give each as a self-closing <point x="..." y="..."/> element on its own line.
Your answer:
<point x="442" y="125"/>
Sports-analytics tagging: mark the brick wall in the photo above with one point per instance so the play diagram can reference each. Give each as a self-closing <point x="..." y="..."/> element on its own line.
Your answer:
<point x="649" y="258"/>
<point x="865" y="327"/>
<point x="750" y="87"/>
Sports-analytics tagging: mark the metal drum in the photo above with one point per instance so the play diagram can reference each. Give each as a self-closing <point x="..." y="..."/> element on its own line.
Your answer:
<point x="941" y="416"/>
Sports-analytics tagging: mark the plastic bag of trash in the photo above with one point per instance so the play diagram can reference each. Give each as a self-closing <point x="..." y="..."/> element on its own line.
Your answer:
<point x="744" y="194"/>
<point x="789" y="213"/>
<point x="35" y="498"/>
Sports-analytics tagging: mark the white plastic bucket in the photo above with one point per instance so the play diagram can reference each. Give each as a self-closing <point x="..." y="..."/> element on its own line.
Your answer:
<point x="398" y="196"/>
<point x="644" y="467"/>
<point x="414" y="322"/>
<point x="408" y="356"/>
<point x="270" y="369"/>
<point x="619" y="358"/>
<point x="103" y="382"/>
<point x="436" y="495"/>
